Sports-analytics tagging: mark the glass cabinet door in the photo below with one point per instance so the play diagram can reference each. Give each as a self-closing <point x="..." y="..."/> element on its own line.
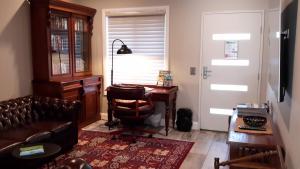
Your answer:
<point x="81" y="49"/>
<point x="60" y="54"/>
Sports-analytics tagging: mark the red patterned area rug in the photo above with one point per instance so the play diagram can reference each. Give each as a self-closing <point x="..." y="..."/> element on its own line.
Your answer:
<point x="100" y="151"/>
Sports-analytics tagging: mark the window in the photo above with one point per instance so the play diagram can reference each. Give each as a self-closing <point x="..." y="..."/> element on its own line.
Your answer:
<point x="145" y="32"/>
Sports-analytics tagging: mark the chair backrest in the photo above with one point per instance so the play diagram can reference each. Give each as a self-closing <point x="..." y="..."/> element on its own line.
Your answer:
<point x="126" y="92"/>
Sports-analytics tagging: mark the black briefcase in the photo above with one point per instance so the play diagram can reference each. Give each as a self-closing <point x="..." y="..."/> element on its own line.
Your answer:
<point x="184" y="119"/>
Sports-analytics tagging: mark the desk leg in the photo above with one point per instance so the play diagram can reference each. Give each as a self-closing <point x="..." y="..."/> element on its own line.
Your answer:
<point x="174" y="110"/>
<point x="167" y="116"/>
<point x="109" y="122"/>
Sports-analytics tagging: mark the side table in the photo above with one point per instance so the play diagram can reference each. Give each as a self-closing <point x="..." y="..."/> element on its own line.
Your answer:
<point x="36" y="160"/>
<point x="240" y="142"/>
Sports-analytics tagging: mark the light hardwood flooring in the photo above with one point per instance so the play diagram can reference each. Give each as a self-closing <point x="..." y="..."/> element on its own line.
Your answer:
<point x="207" y="146"/>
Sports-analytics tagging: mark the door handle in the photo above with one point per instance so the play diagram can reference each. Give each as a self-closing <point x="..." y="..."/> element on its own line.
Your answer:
<point x="205" y="72"/>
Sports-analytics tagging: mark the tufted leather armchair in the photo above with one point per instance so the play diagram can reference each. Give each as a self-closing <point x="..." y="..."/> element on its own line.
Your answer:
<point x="37" y="119"/>
<point x="132" y="105"/>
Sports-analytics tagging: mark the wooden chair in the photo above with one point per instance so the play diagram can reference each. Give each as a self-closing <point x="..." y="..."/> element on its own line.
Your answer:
<point x="132" y="105"/>
<point x="256" y="161"/>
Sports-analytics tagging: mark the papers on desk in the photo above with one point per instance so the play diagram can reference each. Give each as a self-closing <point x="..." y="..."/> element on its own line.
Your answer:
<point x="148" y="89"/>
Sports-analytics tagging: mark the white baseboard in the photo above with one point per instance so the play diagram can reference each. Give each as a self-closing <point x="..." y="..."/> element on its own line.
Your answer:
<point x="103" y="115"/>
<point x="195" y="125"/>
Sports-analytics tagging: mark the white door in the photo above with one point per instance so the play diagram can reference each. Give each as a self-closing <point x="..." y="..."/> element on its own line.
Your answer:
<point x="231" y="52"/>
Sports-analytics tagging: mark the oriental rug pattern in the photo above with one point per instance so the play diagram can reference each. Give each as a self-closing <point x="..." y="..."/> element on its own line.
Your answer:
<point x="100" y="151"/>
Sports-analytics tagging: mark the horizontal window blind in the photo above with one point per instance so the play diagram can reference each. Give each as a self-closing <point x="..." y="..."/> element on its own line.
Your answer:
<point x="145" y="36"/>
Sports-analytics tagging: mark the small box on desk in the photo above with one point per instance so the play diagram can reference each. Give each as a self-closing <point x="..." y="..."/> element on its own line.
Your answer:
<point x="250" y="109"/>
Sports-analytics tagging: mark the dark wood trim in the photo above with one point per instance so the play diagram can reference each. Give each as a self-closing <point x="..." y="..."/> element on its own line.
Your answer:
<point x="66" y="6"/>
<point x="72" y="8"/>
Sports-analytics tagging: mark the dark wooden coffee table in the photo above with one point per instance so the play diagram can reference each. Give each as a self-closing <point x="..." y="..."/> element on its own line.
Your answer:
<point x="33" y="161"/>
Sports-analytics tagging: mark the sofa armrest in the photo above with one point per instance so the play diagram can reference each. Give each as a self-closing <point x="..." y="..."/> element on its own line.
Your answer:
<point x="72" y="111"/>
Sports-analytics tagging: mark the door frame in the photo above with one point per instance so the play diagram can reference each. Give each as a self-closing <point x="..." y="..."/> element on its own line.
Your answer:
<point x="262" y="12"/>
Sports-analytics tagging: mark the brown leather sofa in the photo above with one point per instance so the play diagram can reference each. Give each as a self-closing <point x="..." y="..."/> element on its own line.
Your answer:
<point x="37" y="119"/>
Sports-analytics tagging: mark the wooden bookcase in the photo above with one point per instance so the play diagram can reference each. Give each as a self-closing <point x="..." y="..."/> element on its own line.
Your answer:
<point x="61" y="50"/>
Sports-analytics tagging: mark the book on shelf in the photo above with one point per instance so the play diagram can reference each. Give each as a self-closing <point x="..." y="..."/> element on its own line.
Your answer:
<point x="31" y="150"/>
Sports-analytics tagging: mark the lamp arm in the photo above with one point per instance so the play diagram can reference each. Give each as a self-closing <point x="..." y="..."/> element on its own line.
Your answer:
<point x="112" y="59"/>
<point x="118" y="40"/>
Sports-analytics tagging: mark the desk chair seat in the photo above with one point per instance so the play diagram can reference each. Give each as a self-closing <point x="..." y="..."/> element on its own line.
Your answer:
<point x="132" y="105"/>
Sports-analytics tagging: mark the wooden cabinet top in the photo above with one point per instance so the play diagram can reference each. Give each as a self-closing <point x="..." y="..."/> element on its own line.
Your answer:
<point x="66" y="6"/>
<point x="252" y="139"/>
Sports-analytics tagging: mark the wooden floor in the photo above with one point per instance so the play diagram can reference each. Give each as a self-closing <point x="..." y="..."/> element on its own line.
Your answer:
<point x="208" y="145"/>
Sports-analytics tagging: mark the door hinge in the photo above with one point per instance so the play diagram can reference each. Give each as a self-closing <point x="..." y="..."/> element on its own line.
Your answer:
<point x="258" y="76"/>
<point x="261" y="31"/>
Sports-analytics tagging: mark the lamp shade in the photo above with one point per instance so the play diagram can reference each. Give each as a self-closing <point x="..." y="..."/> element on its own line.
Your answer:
<point x="124" y="50"/>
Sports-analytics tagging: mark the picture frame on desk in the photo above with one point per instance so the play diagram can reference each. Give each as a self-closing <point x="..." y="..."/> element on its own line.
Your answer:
<point x="164" y="78"/>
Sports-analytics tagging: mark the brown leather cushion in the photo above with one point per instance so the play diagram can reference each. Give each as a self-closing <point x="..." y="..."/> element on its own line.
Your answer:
<point x="130" y="103"/>
<point x="7" y="145"/>
<point x="127" y="113"/>
<point x="54" y="126"/>
<point x="17" y="134"/>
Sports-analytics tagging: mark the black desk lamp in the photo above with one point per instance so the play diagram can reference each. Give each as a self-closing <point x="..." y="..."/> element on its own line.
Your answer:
<point x="123" y="50"/>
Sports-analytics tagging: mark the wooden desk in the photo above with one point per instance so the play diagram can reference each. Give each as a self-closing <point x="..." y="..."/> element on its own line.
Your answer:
<point x="167" y="95"/>
<point x="243" y="141"/>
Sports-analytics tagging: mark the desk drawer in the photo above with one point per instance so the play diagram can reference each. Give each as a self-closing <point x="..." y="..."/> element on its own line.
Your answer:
<point x="72" y="95"/>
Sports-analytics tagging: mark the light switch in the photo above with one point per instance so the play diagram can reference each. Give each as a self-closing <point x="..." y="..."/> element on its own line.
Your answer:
<point x="192" y="70"/>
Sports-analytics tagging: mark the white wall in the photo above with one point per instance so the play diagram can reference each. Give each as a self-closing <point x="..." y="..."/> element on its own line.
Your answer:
<point x="290" y="130"/>
<point x="185" y="29"/>
<point x="15" y="49"/>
